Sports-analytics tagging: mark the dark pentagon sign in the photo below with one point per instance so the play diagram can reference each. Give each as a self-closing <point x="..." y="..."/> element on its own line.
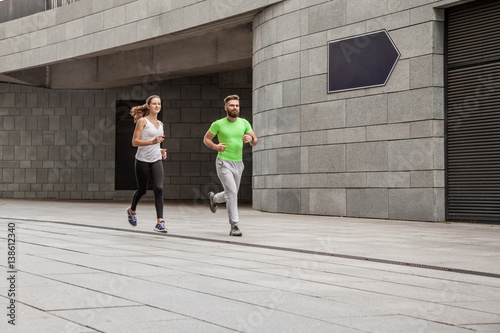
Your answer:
<point x="361" y="62"/>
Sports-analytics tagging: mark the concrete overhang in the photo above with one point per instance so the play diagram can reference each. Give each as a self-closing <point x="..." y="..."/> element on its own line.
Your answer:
<point x="223" y="44"/>
<point x="208" y="50"/>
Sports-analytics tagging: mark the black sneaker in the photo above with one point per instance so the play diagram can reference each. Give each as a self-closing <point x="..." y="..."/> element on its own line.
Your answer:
<point x="235" y="231"/>
<point x="213" y="206"/>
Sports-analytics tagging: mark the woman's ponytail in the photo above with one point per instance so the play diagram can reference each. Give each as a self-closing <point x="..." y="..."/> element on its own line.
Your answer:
<point x="142" y="110"/>
<point x="138" y="112"/>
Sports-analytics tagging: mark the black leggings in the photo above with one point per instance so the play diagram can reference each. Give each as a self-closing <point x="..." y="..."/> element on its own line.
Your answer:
<point x="142" y="172"/>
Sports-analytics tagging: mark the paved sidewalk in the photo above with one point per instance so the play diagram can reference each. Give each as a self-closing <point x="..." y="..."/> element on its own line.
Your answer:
<point x="80" y="267"/>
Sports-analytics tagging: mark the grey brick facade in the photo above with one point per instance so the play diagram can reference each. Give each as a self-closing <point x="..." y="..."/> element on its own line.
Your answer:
<point x="376" y="152"/>
<point x="60" y="144"/>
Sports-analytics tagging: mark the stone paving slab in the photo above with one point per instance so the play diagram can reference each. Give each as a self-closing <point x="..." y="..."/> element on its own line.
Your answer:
<point x="81" y="268"/>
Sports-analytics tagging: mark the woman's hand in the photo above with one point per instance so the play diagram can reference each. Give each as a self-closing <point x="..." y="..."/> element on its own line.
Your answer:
<point x="158" y="139"/>
<point x="164" y="153"/>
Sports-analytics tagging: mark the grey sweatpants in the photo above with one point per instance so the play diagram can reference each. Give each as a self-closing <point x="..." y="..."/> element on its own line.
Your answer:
<point x="230" y="176"/>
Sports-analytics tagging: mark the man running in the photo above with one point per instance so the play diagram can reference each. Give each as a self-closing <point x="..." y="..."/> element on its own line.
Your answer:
<point x="232" y="132"/>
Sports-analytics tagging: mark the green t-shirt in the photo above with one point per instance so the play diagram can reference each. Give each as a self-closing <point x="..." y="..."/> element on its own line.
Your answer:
<point x="231" y="133"/>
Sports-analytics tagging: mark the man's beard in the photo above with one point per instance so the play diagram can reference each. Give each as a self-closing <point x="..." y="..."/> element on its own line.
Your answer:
<point x="233" y="114"/>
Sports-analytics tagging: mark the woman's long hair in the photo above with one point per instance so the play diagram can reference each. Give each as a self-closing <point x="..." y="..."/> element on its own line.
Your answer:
<point x="142" y="110"/>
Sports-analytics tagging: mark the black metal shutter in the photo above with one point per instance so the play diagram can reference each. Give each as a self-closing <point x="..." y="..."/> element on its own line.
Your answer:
<point x="473" y="112"/>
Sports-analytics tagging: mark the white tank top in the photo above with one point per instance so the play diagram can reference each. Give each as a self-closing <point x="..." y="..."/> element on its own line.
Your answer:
<point x="149" y="153"/>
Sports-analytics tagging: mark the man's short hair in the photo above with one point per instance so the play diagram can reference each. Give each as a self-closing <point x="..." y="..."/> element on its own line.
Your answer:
<point x="230" y="98"/>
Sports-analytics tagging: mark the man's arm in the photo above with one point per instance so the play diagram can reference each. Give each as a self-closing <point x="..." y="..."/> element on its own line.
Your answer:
<point x="208" y="141"/>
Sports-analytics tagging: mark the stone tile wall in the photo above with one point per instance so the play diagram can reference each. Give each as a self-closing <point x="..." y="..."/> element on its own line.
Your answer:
<point x="60" y="144"/>
<point x="56" y="144"/>
<point x="376" y="153"/>
<point x="190" y="105"/>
